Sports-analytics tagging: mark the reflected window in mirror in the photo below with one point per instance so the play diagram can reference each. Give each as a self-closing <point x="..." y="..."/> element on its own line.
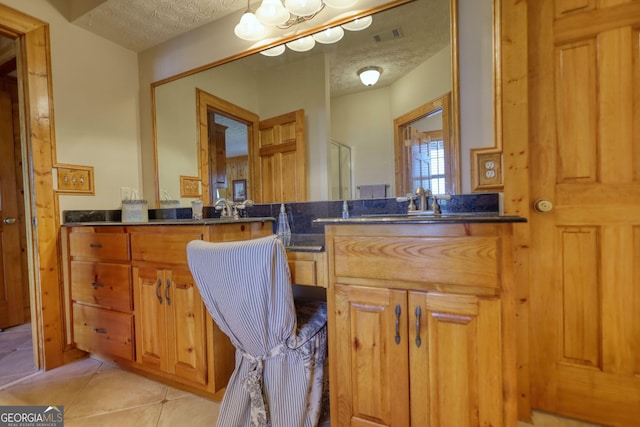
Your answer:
<point x="425" y="152"/>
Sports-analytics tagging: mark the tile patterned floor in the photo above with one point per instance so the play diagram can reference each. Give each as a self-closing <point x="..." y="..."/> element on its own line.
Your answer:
<point x="97" y="394"/>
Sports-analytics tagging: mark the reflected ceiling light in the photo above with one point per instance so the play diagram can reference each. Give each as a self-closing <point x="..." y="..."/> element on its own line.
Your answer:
<point x="249" y="28"/>
<point x="340" y="4"/>
<point x="369" y="75"/>
<point x="272" y="12"/>
<point x="302" y="44"/>
<point x="303" y="7"/>
<point x="358" y="23"/>
<point x="329" y="35"/>
<point x="273" y="51"/>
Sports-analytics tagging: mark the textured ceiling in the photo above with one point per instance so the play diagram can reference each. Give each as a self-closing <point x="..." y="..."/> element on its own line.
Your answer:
<point x="141" y="24"/>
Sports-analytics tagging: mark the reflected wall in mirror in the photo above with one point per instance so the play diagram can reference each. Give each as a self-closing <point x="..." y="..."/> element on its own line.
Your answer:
<point x="411" y="43"/>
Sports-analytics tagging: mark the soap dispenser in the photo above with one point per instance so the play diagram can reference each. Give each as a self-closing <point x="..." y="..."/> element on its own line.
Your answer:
<point x="283" y="231"/>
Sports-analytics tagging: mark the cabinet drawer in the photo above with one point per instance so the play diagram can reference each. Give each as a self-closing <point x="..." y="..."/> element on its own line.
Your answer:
<point x="111" y="246"/>
<point x="307" y="268"/>
<point x="101" y="331"/>
<point x="104" y="284"/>
<point x="457" y="261"/>
<point x="168" y="248"/>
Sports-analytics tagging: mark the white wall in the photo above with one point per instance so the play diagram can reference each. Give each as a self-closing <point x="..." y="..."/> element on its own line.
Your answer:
<point x="475" y="25"/>
<point x="95" y="95"/>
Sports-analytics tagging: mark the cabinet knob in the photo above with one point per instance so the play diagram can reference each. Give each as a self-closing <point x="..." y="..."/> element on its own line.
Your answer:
<point x="542" y="206"/>
<point x="9" y="221"/>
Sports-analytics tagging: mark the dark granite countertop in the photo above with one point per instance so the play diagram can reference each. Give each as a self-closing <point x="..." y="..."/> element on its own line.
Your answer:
<point x="422" y="219"/>
<point x="189" y="221"/>
<point x="306" y="243"/>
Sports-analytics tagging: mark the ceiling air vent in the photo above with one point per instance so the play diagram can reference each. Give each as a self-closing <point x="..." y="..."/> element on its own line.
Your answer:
<point x="388" y="35"/>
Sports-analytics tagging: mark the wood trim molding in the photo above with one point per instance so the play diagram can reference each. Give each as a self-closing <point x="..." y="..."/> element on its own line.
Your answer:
<point x="512" y="111"/>
<point x="38" y="132"/>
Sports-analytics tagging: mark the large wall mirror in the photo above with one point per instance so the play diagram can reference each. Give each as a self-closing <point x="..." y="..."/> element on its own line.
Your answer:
<point x="351" y="141"/>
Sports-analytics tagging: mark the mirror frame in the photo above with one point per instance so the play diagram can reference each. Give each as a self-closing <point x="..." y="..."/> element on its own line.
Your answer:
<point x="455" y="104"/>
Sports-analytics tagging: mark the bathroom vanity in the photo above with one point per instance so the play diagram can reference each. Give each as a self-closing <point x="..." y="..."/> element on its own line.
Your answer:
<point x="133" y="301"/>
<point x="421" y="321"/>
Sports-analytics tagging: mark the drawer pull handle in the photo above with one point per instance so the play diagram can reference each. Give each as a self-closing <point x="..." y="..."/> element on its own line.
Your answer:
<point x="158" y="291"/>
<point x="95" y="245"/>
<point x="166" y="292"/>
<point x="398" y="311"/>
<point x="418" y="315"/>
<point x="100" y="330"/>
<point x="97" y="284"/>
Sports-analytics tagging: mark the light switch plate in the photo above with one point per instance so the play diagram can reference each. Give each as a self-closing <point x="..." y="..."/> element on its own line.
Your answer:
<point x="190" y="186"/>
<point x="75" y="179"/>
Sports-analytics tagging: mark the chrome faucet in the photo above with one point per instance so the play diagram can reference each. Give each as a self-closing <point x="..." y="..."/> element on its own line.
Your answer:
<point x="422" y="195"/>
<point x="225" y="207"/>
<point x="240" y="207"/>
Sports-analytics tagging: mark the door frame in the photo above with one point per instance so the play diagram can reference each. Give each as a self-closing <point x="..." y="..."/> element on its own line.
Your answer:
<point x="511" y="127"/>
<point x="41" y="204"/>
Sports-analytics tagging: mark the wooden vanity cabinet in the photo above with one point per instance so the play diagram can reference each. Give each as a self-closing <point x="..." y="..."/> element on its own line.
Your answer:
<point x="170" y="315"/>
<point x="101" y="291"/>
<point x="135" y="302"/>
<point x="421" y="325"/>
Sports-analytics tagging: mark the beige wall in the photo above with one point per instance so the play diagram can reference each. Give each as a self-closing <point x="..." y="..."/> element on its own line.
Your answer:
<point x="95" y="93"/>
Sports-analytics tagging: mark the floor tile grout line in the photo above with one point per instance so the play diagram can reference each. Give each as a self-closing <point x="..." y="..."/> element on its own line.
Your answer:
<point x="84" y="386"/>
<point x="19" y="380"/>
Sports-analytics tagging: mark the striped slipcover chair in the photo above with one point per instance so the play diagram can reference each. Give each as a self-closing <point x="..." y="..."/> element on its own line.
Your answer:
<point x="280" y="346"/>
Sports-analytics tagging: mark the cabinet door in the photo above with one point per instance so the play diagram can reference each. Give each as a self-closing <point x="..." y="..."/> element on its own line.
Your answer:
<point x="186" y="327"/>
<point x="456" y="371"/>
<point x="372" y="387"/>
<point x="150" y="317"/>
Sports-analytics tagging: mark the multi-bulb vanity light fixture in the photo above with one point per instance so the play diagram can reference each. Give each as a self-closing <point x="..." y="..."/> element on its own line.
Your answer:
<point x="272" y="13"/>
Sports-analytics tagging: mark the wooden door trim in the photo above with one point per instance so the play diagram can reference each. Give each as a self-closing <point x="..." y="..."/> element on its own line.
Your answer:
<point x="37" y="130"/>
<point x="512" y="136"/>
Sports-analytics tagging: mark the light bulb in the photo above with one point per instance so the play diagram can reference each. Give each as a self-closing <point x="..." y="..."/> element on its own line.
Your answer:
<point x="303" y="7"/>
<point x="358" y="23"/>
<point x="249" y="28"/>
<point x="302" y="44"/>
<point x="340" y="4"/>
<point x="273" y="51"/>
<point x="272" y="12"/>
<point x="329" y="35"/>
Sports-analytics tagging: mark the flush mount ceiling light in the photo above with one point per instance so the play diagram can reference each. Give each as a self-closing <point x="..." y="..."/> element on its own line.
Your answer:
<point x="358" y="24"/>
<point x="369" y="75"/>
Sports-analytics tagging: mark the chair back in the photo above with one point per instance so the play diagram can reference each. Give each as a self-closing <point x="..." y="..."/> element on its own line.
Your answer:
<point x="246" y="287"/>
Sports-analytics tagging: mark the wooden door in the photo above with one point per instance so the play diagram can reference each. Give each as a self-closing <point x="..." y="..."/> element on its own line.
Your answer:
<point x="186" y="341"/>
<point x="584" y="94"/>
<point x="150" y="299"/>
<point x="280" y="159"/>
<point x="459" y="343"/>
<point x="372" y="387"/>
<point x="11" y="286"/>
